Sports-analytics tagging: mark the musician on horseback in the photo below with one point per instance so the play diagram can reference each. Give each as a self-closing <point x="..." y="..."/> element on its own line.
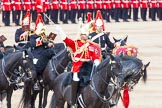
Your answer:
<point x="82" y="50"/>
<point x="99" y="36"/>
<point x="22" y="34"/>
<point x="41" y="47"/>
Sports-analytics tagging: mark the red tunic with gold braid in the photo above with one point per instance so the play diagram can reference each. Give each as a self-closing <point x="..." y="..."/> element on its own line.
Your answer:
<point x="82" y="51"/>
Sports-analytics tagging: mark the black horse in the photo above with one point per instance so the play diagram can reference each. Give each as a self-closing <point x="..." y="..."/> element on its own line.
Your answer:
<point x="93" y="95"/>
<point x="54" y="67"/>
<point x="8" y="64"/>
<point x="132" y="70"/>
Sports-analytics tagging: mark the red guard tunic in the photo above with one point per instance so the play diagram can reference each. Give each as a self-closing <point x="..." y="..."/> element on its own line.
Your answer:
<point x="117" y="4"/>
<point x="159" y="3"/>
<point x="55" y="4"/>
<point x="64" y="4"/>
<point x="90" y="4"/>
<point x="17" y="5"/>
<point x="144" y="4"/>
<point x="153" y="4"/>
<point x="6" y="5"/>
<point x="40" y="6"/>
<point x="98" y="4"/>
<point x="126" y="4"/>
<point x="135" y="3"/>
<point x="27" y="5"/>
<point x="81" y="4"/>
<point x="107" y="4"/>
<point x="47" y="5"/>
<point x="73" y="4"/>
<point x="33" y="5"/>
<point x="83" y="52"/>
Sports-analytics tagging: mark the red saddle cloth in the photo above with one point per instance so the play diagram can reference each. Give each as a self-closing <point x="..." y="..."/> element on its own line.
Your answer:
<point x="126" y="50"/>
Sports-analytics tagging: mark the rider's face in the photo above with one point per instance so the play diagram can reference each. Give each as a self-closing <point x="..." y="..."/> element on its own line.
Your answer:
<point x="99" y="28"/>
<point x="26" y="27"/>
<point x="83" y="36"/>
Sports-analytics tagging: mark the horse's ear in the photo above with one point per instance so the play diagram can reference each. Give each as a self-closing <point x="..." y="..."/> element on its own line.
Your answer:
<point x="115" y="39"/>
<point x="125" y="40"/>
<point x="147" y="64"/>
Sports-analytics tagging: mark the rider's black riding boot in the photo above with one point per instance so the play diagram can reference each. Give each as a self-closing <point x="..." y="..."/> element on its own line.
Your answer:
<point x="74" y="93"/>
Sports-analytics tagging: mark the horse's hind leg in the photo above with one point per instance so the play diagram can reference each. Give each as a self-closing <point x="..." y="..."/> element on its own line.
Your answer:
<point x="40" y="97"/>
<point x="9" y="94"/>
<point x="33" y="98"/>
<point x="57" y="103"/>
<point x="46" y="90"/>
<point x="1" y="99"/>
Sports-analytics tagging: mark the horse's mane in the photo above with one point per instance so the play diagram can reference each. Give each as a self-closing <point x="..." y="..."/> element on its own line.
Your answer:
<point x="103" y="64"/>
<point x="125" y="57"/>
<point x="59" y="54"/>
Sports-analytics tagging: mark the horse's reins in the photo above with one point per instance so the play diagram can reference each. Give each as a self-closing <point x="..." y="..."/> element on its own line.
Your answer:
<point x="3" y="68"/>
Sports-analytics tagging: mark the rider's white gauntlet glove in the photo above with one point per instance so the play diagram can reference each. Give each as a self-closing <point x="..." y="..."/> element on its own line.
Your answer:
<point x="96" y="62"/>
<point x="61" y="32"/>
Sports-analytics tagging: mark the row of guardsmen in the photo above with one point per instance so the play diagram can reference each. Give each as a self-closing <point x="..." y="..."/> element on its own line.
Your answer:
<point x="64" y="10"/>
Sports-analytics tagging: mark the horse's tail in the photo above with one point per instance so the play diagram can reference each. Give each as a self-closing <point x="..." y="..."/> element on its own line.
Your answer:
<point x="53" y="101"/>
<point x="145" y="72"/>
<point x="26" y="97"/>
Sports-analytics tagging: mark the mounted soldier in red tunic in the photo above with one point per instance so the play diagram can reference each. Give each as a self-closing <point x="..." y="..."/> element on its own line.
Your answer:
<point x="82" y="50"/>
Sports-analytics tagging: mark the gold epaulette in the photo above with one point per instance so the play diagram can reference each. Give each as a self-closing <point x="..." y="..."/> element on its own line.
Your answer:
<point x="93" y="43"/>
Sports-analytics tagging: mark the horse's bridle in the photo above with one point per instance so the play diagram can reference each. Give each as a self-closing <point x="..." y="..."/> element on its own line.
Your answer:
<point x="12" y="75"/>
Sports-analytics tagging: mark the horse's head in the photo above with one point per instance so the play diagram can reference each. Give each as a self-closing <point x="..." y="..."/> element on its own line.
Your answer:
<point x="8" y="49"/>
<point x="120" y="42"/>
<point x="133" y="70"/>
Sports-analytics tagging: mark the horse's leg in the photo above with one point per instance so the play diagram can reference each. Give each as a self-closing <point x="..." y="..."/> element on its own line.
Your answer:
<point x="34" y="95"/>
<point x="40" y="97"/>
<point x="57" y="103"/>
<point x="9" y="94"/>
<point x="1" y="105"/>
<point x="46" y="90"/>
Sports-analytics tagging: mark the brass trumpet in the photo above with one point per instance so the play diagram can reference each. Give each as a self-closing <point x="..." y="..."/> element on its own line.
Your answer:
<point x="31" y="32"/>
